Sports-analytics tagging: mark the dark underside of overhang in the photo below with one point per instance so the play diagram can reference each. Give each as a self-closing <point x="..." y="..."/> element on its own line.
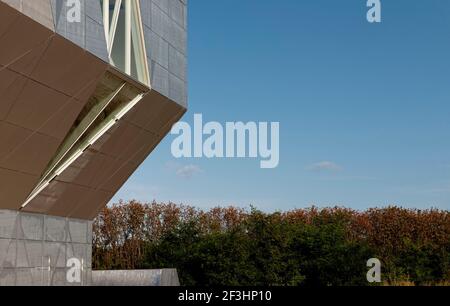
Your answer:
<point x="48" y="87"/>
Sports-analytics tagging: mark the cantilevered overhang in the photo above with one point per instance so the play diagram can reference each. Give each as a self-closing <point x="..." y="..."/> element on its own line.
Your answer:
<point x="89" y="182"/>
<point x="41" y="94"/>
<point x="72" y="127"/>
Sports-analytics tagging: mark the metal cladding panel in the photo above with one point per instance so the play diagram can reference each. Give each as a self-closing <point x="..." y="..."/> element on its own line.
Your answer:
<point x="41" y="94"/>
<point x="7" y="17"/>
<point x="68" y="68"/>
<point x="165" y="32"/>
<point x="21" y="37"/>
<point x="47" y="79"/>
<point x="165" y="35"/>
<point x="84" y="188"/>
<point x="88" y="32"/>
<point x="14" y="188"/>
<point x="38" y="10"/>
<point x="34" y="249"/>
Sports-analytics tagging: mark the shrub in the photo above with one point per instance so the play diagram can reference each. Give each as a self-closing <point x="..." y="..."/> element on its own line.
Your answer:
<point x="310" y="247"/>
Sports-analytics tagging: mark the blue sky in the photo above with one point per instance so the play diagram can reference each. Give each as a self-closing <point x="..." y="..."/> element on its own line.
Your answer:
<point x="364" y="109"/>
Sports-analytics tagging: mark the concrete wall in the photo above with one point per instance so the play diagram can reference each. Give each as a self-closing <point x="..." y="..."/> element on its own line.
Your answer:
<point x="34" y="249"/>
<point x="162" y="277"/>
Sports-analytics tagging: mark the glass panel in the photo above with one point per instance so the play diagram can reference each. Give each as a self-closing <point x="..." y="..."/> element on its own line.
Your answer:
<point x="138" y="45"/>
<point x="112" y="4"/>
<point x="138" y="60"/>
<point x="134" y="70"/>
<point x="118" y="48"/>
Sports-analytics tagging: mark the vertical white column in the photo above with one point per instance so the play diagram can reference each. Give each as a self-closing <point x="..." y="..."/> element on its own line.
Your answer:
<point x="128" y="36"/>
<point x="106" y="23"/>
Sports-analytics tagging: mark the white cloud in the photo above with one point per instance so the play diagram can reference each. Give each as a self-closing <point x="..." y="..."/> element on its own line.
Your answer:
<point x="183" y="171"/>
<point x="188" y="171"/>
<point x="325" y="166"/>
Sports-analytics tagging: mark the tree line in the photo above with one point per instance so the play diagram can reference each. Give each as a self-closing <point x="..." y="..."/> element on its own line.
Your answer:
<point x="303" y="247"/>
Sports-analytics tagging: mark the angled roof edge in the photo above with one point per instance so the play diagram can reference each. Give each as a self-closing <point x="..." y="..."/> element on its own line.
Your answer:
<point x="38" y="10"/>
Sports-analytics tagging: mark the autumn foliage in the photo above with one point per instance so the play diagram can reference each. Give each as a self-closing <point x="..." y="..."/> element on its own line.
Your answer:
<point x="232" y="246"/>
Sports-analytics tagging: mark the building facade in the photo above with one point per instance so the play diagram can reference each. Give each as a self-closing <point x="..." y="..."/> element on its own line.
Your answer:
<point x="88" y="89"/>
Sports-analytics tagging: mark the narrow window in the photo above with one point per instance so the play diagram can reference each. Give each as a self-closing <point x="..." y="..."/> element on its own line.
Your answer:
<point x="125" y="37"/>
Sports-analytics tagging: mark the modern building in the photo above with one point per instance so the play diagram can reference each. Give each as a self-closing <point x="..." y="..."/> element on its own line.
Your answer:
<point x="88" y="88"/>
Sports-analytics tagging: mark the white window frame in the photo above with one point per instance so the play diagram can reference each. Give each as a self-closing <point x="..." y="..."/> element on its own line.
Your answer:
<point x="134" y="34"/>
<point x="73" y="148"/>
<point x="81" y="138"/>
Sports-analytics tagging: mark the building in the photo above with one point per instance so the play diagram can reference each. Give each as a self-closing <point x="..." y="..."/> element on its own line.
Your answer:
<point x="88" y="88"/>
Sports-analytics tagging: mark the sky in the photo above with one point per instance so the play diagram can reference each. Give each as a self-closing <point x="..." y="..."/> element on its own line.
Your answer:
<point x="364" y="108"/>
